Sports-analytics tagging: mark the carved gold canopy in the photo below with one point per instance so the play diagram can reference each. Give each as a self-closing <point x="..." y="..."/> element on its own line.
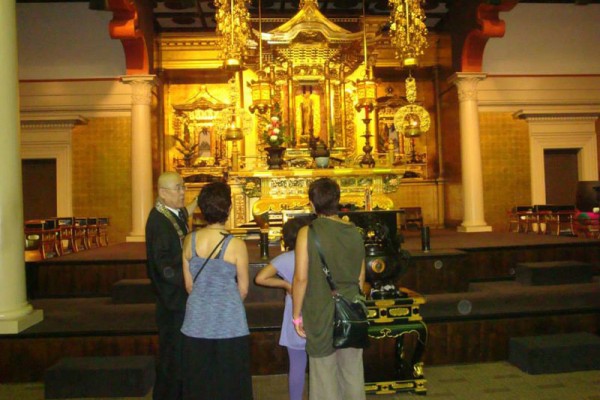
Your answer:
<point x="312" y="47"/>
<point x="203" y="100"/>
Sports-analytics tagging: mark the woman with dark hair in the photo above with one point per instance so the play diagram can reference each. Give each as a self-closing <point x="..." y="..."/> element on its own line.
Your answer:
<point x="216" y="348"/>
<point x="278" y="274"/>
<point x="335" y="374"/>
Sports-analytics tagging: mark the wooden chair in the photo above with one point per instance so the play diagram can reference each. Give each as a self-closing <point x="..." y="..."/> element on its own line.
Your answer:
<point x="412" y="217"/>
<point x="43" y="234"/>
<point x="65" y="234"/>
<point x="91" y="238"/>
<point x="544" y="218"/>
<point x="79" y="234"/>
<point x="564" y="223"/>
<point x="559" y="219"/>
<point x="521" y="219"/>
<point x="102" y="238"/>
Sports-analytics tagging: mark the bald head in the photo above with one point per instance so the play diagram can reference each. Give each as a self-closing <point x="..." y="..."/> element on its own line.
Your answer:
<point x="169" y="178"/>
<point x="171" y="190"/>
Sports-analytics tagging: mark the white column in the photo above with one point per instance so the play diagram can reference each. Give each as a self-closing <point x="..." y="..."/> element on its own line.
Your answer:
<point x="470" y="153"/>
<point x="142" y="199"/>
<point x="16" y="314"/>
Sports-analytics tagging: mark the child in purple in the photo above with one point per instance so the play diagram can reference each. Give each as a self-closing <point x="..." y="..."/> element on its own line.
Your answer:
<point x="279" y="274"/>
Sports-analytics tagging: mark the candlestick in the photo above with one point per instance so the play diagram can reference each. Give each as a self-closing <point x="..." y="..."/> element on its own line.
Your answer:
<point x="425" y="242"/>
<point x="264" y="244"/>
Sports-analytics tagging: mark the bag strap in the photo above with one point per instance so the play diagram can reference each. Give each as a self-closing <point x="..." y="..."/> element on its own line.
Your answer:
<point x="323" y="262"/>
<point x="211" y="253"/>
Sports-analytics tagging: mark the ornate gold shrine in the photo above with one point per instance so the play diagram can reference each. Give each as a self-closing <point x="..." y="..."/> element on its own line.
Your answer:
<point x="310" y="60"/>
<point x="311" y="63"/>
<point x="194" y="132"/>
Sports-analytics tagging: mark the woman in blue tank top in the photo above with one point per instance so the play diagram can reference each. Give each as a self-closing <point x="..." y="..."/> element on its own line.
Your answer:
<point x="216" y="349"/>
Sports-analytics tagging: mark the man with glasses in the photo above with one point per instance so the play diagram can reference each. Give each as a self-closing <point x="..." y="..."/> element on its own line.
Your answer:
<point x="166" y="227"/>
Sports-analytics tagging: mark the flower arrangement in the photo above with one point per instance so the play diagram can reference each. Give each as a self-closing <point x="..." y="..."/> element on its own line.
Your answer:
<point x="274" y="133"/>
<point x="274" y="130"/>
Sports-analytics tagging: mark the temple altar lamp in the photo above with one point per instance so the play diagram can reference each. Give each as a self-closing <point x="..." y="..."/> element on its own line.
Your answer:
<point x="393" y="312"/>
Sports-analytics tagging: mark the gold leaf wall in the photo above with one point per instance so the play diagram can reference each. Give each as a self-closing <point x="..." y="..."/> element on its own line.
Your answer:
<point x="102" y="173"/>
<point x="505" y="166"/>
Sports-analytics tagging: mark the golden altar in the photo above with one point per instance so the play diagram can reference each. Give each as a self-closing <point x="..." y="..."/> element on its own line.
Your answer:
<point x="260" y="193"/>
<point x="314" y="71"/>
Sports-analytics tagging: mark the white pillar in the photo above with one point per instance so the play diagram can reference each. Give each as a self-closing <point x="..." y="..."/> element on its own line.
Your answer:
<point x="142" y="199"/>
<point x="16" y="314"/>
<point x="470" y="152"/>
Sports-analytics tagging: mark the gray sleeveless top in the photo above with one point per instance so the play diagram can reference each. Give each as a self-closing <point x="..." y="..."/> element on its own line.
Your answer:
<point x="344" y="251"/>
<point x="214" y="308"/>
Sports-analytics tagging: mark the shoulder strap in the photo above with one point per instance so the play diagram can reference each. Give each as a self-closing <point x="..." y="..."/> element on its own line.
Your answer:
<point x="194" y="244"/>
<point x="323" y="262"/>
<point x="225" y="244"/>
<point x="209" y="256"/>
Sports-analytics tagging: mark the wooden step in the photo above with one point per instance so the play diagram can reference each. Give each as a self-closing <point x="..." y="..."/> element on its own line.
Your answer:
<point x="555" y="353"/>
<point x="77" y="377"/>
<point x="133" y="291"/>
<point x="554" y="273"/>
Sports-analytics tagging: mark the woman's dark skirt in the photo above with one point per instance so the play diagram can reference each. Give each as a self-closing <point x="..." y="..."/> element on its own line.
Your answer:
<point x="217" y="369"/>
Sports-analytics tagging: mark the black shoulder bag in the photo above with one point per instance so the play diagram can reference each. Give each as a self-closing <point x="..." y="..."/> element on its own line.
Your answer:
<point x="350" y="324"/>
<point x="209" y="256"/>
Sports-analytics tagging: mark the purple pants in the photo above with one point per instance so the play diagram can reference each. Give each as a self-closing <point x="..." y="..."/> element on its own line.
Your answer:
<point x="297" y="373"/>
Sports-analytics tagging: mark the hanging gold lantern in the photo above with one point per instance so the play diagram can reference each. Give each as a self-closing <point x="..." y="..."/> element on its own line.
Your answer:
<point x="260" y="88"/>
<point x="261" y="95"/>
<point x="366" y="88"/>
<point x="412" y="120"/>
<point x="233" y="24"/>
<point x="366" y="92"/>
<point x="412" y="125"/>
<point x="408" y="30"/>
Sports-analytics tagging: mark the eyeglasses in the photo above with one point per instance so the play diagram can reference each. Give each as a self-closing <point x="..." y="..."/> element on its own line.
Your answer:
<point x="177" y="188"/>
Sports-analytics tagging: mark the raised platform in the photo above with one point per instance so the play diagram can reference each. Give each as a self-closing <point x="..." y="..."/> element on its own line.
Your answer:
<point x="455" y="260"/>
<point x="474" y="303"/>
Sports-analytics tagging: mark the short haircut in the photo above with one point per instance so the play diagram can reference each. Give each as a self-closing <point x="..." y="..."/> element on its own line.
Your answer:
<point x="215" y="202"/>
<point x="324" y="193"/>
<point x="290" y="229"/>
<point x="167" y="178"/>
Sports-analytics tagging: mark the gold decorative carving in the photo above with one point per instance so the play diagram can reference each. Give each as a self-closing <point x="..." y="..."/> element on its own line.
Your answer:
<point x="239" y="204"/>
<point x="189" y="52"/>
<point x="398" y="311"/>
<point x="194" y="132"/>
<point x="233" y="24"/>
<point x="400" y="117"/>
<point x="264" y="206"/>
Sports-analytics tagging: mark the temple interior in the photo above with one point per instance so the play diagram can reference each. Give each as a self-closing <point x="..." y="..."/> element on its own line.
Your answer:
<point x="469" y="117"/>
<point x="493" y="125"/>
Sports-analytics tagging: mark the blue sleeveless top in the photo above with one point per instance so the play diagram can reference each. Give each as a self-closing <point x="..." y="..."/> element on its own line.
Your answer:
<point x="214" y="308"/>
